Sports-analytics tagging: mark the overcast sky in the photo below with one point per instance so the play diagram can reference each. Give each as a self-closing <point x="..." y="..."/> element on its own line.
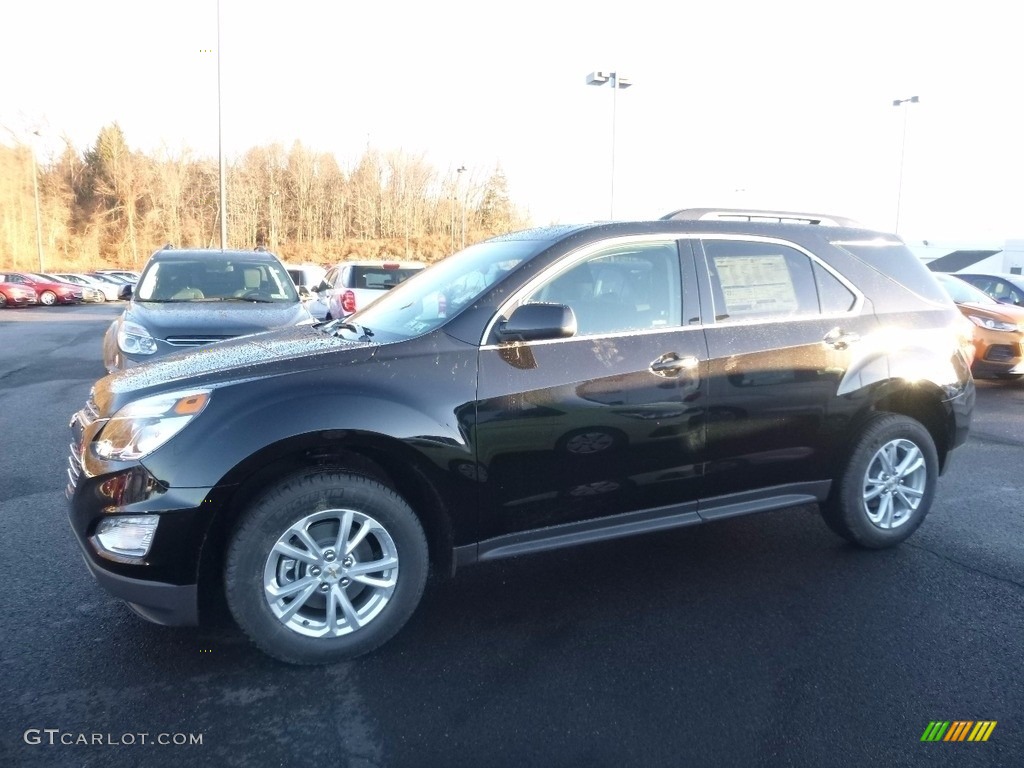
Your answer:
<point x="776" y="104"/>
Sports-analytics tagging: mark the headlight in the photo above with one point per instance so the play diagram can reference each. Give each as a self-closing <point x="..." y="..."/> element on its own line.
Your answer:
<point x="134" y="339"/>
<point x="141" y="427"/>
<point x="992" y="325"/>
<point x="127" y="536"/>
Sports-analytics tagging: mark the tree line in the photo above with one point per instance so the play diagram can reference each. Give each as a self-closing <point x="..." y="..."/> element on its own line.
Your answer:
<point x="112" y="206"/>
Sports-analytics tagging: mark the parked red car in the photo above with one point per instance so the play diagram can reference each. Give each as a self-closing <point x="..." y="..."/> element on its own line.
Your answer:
<point x="16" y="295"/>
<point x="48" y="293"/>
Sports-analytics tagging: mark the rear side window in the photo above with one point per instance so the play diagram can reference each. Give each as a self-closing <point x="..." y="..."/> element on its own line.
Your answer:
<point x="832" y="294"/>
<point x="759" y="281"/>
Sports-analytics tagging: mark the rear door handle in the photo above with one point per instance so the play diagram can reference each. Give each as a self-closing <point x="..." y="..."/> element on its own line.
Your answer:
<point x="672" y="364"/>
<point x="840" y="339"/>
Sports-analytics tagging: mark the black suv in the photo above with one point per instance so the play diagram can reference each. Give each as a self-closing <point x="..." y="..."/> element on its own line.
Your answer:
<point x="538" y="390"/>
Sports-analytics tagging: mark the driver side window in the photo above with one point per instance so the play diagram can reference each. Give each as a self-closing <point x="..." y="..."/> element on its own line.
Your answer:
<point x="628" y="287"/>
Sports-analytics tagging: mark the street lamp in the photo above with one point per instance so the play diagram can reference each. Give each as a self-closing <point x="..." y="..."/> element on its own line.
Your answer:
<point x="220" y="149"/>
<point x="903" y="149"/>
<point x="35" y="195"/>
<point x="616" y="81"/>
<point x="35" y="191"/>
<point x="462" y="203"/>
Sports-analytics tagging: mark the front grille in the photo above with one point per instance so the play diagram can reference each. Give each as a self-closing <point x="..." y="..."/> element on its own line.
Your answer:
<point x="1002" y="353"/>
<point x="74" y="471"/>
<point x="80" y="422"/>
<point x="194" y="341"/>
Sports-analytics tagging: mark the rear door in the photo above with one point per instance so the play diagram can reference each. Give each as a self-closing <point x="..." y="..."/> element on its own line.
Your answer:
<point x="782" y="328"/>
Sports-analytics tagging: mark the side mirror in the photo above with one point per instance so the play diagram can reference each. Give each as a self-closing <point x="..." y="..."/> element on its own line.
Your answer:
<point x="538" y="322"/>
<point x="126" y="293"/>
<point x="304" y="293"/>
<point x="324" y="286"/>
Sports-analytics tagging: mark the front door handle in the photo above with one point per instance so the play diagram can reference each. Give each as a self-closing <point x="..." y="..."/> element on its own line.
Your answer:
<point x="840" y="339"/>
<point x="672" y="364"/>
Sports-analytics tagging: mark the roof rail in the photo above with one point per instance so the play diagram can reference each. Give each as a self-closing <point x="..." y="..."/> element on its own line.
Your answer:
<point x="741" y="214"/>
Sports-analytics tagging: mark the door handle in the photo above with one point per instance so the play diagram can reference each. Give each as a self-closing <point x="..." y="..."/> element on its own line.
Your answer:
<point x="840" y="339"/>
<point x="672" y="364"/>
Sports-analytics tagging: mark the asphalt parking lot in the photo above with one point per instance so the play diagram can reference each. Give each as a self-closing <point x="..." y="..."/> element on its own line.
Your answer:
<point x="758" y="641"/>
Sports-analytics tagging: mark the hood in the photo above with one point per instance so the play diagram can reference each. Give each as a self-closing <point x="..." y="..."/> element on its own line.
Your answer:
<point x="288" y="349"/>
<point x="219" y="319"/>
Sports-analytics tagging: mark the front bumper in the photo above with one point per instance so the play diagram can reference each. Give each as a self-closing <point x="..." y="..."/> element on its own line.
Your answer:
<point x="156" y="601"/>
<point x="161" y="586"/>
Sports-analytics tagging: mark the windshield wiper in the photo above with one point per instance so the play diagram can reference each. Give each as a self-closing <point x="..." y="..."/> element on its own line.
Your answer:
<point x="334" y="326"/>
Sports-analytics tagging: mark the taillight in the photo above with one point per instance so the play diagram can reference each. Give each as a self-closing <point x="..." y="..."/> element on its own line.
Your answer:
<point x="348" y="302"/>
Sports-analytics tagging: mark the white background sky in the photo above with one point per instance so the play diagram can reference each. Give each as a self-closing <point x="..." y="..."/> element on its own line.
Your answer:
<point x="772" y="104"/>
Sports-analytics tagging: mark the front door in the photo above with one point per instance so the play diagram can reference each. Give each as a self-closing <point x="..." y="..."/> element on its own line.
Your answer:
<point x="610" y="420"/>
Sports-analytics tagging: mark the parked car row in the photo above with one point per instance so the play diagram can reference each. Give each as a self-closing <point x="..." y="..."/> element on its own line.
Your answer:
<point x="19" y="289"/>
<point x="36" y="289"/>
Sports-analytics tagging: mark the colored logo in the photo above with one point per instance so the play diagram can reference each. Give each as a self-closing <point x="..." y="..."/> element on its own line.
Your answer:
<point x="958" y="730"/>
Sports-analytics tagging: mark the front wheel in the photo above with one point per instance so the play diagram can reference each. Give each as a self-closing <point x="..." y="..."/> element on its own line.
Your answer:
<point x="48" y="298"/>
<point x="887" y="486"/>
<point x="325" y="567"/>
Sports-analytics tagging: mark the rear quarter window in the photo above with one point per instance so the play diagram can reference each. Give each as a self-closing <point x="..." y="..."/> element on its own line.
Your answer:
<point x="897" y="261"/>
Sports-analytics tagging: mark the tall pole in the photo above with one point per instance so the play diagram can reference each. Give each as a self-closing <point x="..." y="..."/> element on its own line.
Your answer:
<point x="220" y="149"/>
<point x="35" y="192"/>
<point x="462" y="204"/>
<point x="616" y="81"/>
<point x="611" y="196"/>
<point x="903" y="149"/>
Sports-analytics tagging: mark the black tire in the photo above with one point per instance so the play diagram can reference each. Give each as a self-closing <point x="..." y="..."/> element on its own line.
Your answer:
<point x="252" y="558"/>
<point x="849" y="513"/>
<point x="48" y="298"/>
<point x="3" y="300"/>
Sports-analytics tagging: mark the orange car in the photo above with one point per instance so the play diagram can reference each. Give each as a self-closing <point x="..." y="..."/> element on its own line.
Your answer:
<point x="998" y="329"/>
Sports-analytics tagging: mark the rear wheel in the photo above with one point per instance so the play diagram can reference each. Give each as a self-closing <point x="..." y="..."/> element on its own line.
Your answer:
<point x="325" y="567"/>
<point x="3" y="300"/>
<point x="49" y="298"/>
<point x="888" y="484"/>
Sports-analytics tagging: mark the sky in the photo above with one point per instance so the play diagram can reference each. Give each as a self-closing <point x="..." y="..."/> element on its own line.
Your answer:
<point x="769" y="105"/>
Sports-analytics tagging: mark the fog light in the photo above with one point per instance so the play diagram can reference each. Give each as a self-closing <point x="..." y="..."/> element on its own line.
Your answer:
<point x="127" y="536"/>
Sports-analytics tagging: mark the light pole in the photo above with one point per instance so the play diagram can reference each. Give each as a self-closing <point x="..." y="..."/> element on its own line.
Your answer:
<point x="462" y="204"/>
<point x="35" y="195"/>
<point x="35" y="191"/>
<point x="903" y="149"/>
<point x="616" y="81"/>
<point x="220" y="149"/>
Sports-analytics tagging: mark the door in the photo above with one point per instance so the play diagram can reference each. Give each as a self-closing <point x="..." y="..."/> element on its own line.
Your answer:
<point x="610" y="420"/>
<point x="781" y="329"/>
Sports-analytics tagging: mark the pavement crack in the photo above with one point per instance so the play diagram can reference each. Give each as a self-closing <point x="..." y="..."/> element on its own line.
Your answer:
<point x="966" y="567"/>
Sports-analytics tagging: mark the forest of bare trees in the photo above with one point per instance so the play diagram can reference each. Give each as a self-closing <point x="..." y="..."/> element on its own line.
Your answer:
<point x="112" y="206"/>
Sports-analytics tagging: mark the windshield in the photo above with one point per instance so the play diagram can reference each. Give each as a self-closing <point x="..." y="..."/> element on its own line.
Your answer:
<point x="216" y="279"/>
<point x="964" y="293"/>
<point x="428" y="299"/>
